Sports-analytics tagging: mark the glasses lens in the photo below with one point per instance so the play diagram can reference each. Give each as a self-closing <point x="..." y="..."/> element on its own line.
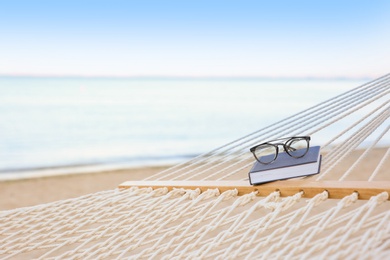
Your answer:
<point x="297" y="147"/>
<point x="265" y="153"/>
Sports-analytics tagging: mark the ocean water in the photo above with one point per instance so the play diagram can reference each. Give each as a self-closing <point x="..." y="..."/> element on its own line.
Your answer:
<point x="57" y="122"/>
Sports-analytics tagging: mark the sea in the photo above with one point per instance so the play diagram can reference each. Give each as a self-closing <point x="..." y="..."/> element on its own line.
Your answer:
<point x="57" y="122"/>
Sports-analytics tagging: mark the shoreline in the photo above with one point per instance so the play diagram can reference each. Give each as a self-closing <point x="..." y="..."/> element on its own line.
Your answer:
<point x="76" y="170"/>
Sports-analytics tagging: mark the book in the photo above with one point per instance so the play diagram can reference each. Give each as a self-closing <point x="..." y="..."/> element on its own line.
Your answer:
<point x="286" y="167"/>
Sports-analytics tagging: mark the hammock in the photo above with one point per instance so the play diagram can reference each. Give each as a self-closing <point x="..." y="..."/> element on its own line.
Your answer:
<point x="203" y="209"/>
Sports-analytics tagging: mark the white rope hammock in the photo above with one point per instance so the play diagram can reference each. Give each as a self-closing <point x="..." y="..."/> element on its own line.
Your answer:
<point x="166" y="223"/>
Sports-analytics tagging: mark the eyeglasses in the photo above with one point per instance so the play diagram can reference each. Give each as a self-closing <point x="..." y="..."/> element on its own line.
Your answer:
<point x="267" y="152"/>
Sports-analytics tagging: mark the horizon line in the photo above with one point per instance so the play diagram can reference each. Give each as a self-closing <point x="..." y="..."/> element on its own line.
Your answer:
<point x="171" y="77"/>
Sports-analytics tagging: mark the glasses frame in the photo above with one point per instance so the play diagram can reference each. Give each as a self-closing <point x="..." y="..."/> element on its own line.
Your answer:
<point x="284" y="144"/>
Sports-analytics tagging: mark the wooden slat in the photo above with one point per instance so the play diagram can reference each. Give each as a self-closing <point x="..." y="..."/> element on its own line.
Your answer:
<point x="336" y="190"/>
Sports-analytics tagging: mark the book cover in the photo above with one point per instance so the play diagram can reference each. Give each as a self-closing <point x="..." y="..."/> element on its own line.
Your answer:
<point x="286" y="167"/>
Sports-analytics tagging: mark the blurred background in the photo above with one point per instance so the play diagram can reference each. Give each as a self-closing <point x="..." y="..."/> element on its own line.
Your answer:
<point x="132" y="83"/>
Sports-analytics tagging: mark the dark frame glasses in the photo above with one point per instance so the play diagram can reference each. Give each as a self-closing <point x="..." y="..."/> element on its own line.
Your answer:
<point x="296" y="147"/>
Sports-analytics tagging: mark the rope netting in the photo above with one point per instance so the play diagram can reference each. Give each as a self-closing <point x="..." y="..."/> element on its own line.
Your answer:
<point x="145" y="223"/>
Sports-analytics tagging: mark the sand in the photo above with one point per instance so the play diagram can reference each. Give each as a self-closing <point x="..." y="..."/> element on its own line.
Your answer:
<point x="34" y="191"/>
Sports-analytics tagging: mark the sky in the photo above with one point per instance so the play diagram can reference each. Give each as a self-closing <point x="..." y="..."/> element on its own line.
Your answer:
<point x="324" y="38"/>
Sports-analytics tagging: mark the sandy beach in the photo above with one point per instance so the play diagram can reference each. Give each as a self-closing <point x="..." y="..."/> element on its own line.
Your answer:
<point x="34" y="191"/>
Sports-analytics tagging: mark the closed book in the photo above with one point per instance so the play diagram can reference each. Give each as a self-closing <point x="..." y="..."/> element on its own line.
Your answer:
<point x="286" y="167"/>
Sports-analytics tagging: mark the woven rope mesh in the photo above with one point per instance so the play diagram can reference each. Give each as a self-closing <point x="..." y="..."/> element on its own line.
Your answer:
<point x="138" y="223"/>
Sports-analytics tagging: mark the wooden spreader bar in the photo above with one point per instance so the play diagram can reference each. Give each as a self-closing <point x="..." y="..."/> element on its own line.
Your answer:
<point x="336" y="189"/>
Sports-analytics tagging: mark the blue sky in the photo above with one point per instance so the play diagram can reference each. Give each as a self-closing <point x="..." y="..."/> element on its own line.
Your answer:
<point x="195" y="38"/>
